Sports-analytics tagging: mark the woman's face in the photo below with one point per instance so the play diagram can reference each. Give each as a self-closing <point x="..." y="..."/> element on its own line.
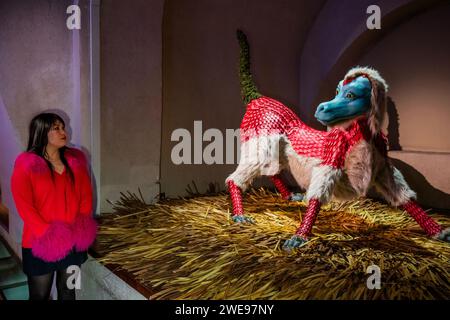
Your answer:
<point x="57" y="137"/>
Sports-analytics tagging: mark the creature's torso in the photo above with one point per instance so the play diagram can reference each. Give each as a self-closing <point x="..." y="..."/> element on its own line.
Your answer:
<point x="351" y="150"/>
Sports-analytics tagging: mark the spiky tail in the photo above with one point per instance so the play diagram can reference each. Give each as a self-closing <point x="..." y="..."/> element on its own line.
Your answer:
<point x="249" y="91"/>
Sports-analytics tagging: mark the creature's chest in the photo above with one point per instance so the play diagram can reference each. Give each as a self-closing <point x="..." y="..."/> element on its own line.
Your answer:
<point x="358" y="167"/>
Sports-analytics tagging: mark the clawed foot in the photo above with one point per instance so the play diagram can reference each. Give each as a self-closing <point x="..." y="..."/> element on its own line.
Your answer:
<point x="444" y="235"/>
<point x="242" y="219"/>
<point x="294" y="242"/>
<point x="296" y="197"/>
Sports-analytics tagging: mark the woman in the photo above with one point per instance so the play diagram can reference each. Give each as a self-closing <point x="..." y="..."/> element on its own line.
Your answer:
<point x="53" y="195"/>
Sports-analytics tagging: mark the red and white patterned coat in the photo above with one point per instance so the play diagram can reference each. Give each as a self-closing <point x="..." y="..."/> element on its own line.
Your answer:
<point x="344" y="161"/>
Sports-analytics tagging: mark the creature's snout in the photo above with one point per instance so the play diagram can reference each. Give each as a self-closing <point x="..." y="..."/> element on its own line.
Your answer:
<point x="321" y="112"/>
<point x="330" y="111"/>
<point x="352" y="99"/>
<point x="321" y="108"/>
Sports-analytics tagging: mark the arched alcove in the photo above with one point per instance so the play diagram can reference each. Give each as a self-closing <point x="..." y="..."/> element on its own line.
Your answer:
<point x="410" y="53"/>
<point x="338" y="38"/>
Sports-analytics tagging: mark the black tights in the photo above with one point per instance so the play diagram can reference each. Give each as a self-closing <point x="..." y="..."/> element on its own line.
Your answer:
<point x="40" y="286"/>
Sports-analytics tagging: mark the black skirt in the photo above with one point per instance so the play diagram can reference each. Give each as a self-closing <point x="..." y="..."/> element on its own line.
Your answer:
<point x="33" y="266"/>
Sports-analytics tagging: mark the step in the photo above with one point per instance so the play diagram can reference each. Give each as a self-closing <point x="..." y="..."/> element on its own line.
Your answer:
<point x="12" y="278"/>
<point x="16" y="293"/>
<point x="7" y="264"/>
<point x="4" y="253"/>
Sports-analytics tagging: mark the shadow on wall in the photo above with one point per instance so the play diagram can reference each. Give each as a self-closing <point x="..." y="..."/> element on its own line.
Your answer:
<point x="393" y="126"/>
<point x="428" y="196"/>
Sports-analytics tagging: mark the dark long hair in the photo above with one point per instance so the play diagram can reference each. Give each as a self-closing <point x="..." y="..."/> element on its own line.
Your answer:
<point x="40" y="125"/>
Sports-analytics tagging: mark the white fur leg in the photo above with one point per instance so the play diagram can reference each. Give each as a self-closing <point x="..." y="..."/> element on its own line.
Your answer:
<point x="323" y="180"/>
<point x="300" y="166"/>
<point x="259" y="156"/>
<point x="394" y="188"/>
<point x="244" y="175"/>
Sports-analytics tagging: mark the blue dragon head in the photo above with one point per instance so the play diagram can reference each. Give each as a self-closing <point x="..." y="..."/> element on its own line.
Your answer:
<point x="361" y="92"/>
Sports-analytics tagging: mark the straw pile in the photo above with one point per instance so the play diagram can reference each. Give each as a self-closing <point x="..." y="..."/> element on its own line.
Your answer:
<point x="190" y="249"/>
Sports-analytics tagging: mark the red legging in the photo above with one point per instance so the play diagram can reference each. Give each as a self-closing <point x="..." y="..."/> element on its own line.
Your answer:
<point x="308" y="220"/>
<point x="281" y="187"/>
<point x="431" y="227"/>
<point x="236" y="198"/>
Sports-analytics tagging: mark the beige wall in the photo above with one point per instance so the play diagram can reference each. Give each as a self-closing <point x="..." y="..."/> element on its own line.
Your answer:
<point x="414" y="60"/>
<point x="200" y="70"/>
<point x="131" y="90"/>
<point x="338" y="26"/>
<point x="410" y="53"/>
<point x="43" y="66"/>
<point x="428" y="174"/>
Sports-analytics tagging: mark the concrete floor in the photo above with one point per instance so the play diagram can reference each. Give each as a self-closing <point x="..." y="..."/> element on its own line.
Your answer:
<point x="97" y="282"/>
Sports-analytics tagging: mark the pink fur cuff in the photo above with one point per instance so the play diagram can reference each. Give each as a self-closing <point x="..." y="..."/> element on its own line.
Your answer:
<point x="84" y="232"/>
<point x="54" y="244"/>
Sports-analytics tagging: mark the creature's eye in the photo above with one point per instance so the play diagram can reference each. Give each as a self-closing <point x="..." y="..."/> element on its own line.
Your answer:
<point x="337" y="91"/>
<point x="350" y="95"/>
